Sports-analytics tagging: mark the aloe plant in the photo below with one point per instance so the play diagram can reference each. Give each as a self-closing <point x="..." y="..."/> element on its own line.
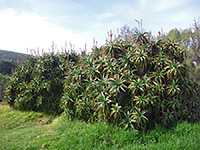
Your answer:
<point x="137" y="82"/>
<point x="133" y="82"/>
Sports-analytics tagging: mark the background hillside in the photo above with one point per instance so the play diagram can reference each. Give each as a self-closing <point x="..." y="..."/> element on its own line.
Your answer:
<point x="9" y="60"/>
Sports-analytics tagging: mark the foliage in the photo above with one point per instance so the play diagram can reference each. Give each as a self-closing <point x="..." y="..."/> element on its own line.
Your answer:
<point x="189" y="39"/>
<point x="3" y="82"/>
<point x="38" y="84"/>
<point x="134" y="82"/>
<point x="6" y="68"/>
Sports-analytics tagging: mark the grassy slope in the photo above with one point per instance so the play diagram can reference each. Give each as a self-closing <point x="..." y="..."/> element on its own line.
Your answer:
<point x="30" y="130"/>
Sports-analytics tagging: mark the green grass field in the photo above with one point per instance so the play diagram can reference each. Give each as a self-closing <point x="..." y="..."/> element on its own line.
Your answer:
<point x="31" y="130"/>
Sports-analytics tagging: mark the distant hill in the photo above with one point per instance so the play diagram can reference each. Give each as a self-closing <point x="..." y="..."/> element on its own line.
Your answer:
<point x="9" y="60"/>
<point x="12" y="57"/>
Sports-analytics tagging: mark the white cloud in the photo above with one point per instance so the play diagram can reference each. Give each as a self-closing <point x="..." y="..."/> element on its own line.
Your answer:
<point x="23" y="30"/>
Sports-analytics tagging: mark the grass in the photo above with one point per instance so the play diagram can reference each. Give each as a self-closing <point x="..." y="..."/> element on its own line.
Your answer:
<point x="31" y="130"/>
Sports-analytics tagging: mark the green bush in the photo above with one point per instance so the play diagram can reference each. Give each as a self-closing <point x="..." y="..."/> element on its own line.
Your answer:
<point x="38" y="84"/>
<point x="134" y="83"/>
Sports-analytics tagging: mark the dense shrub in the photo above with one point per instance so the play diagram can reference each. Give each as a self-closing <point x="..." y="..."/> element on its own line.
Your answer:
<point x="136" y="82"/>
<point x="38" y="84"/>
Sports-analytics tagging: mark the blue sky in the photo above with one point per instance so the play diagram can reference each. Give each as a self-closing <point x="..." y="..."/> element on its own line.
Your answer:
<point x="36" y="23"/>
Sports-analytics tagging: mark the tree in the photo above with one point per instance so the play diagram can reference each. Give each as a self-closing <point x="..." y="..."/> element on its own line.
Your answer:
<point x="189" y="39"/>
<point x="6" y="67"/>
<point x="174" y="34"/>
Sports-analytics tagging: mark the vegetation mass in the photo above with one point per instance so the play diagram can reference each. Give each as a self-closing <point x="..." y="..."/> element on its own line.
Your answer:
<point x="147" y="85"/>
<point x="133" y="81"/>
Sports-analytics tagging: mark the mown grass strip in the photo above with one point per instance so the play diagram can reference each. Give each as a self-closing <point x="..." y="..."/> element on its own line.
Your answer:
<point x="30" y="130"/>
